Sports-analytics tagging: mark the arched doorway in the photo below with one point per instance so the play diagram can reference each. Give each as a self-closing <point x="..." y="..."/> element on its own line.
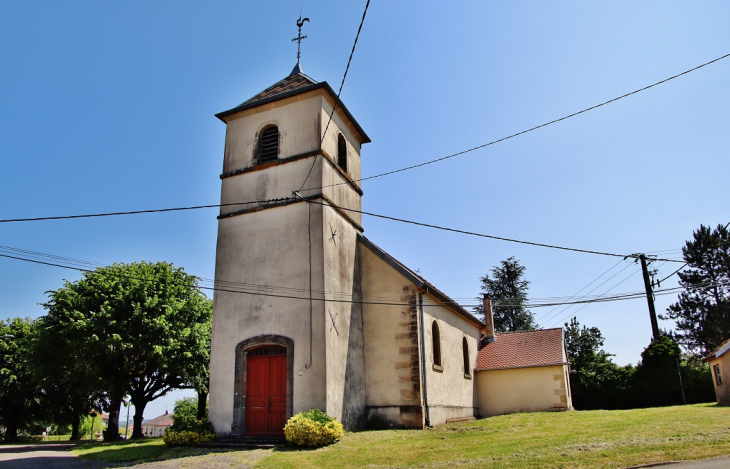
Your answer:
<point x="263" y="386"/>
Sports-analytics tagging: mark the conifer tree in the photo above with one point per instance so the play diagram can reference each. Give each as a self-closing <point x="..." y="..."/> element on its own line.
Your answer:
<point x="508" y="289"/>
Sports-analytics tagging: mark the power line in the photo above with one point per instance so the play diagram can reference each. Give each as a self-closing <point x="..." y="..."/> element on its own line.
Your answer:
<point x="549" y="314"/>
<point x="481" y="235"/>
<point x="636" y="295"/>
<point x="299" y="197"/>
<point x="530" y="129"/>
<point x="138" y="212"/>
<point x="621" y="297"/>
<point x="337" y="100"/>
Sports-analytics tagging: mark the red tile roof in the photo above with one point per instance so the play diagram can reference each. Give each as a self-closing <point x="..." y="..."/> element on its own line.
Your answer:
<point x="522" y="349"/>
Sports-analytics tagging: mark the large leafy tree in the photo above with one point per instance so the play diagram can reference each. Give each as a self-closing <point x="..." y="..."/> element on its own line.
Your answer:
<point x="702" y="313"/>
<point x="147" y="330"/>
<point x="508" y="289"/>
<point x="19" y="395"/>
<point x="58" y="358"/>
<point x="595" y="381"/>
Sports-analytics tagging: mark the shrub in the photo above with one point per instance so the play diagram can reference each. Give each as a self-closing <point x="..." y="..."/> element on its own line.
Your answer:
<point x="186" y="438"/>
<point x="312" y="428"/>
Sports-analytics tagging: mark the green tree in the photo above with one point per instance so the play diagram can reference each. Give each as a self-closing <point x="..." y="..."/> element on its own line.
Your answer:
<point x="657" y="379"/>
<point x="508" y="289"/>
<point x="58" y="359"/>
<point x="702" y="314"/>
<point x="595" y="381"/>
<point x="19" y="396"/>
<point x="147" y="327"/>
<point x="185" y="416"/>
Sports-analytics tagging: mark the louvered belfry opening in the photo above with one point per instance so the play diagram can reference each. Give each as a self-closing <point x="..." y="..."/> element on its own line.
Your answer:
<point x="270" y="143"/>
<point x="342" y="152"/>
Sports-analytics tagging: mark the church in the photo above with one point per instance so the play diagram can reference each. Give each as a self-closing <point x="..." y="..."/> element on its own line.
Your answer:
<point x="309" y="313"/>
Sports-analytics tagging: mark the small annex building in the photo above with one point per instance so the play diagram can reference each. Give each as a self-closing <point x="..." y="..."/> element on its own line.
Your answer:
<point x="309" y="312"/>
<point x="524" y="371"/>
<point x="719" y="361"/>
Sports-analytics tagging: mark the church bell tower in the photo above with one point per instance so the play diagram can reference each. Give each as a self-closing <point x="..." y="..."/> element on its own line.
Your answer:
<point x="287" y="336"/>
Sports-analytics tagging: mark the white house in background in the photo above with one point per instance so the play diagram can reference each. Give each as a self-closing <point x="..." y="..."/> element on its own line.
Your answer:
<point x="157" y="426"/>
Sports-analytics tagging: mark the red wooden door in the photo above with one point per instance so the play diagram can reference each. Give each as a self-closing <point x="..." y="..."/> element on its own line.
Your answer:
<point x="266" y="391"/>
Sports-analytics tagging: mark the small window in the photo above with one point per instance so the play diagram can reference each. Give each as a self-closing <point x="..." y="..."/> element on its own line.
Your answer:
<point x="718" y="375"/>
<point x="269" y="144"/>
<point x="465" y="351"/>
<point x="342" y="152"/>
<point x="436" y="339"/>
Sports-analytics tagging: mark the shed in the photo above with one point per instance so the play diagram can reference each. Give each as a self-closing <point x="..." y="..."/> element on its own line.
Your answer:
<point x="524" y="371"/>
<point x="719" y="361"/>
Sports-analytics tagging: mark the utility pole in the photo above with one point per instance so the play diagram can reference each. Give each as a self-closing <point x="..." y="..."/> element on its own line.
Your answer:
<point x="649" y="297"/>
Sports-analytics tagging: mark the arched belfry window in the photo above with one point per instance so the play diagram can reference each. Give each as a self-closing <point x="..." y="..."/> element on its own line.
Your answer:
<point x="269" y="143"/>
<point x="342" y="152"/>
<point x="467" y="362"/>
<point x="436" y="341"/>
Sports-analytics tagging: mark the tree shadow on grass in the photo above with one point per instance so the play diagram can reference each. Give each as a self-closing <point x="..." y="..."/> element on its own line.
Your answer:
<point x="134" y="452"/>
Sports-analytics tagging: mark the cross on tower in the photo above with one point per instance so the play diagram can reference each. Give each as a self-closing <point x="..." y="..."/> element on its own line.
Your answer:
<point x="300" y="23"/>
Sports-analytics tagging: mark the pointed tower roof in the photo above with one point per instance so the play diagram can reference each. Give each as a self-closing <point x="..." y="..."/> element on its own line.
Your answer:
<point x="296" y="83"/>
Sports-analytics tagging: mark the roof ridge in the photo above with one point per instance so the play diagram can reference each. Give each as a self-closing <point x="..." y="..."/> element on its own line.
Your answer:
<point x="531" y="330"/>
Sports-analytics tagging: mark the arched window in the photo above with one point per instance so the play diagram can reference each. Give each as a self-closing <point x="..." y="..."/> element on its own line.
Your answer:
<point x="465" y="351"/>
<point x="342" y="152"/>
<point x="269" y="143"/>
<point x="436" y="339"/>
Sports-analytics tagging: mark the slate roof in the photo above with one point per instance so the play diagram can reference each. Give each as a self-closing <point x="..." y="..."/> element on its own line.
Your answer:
<point x="164" y="420"/>
<point x="719" y="351"/>
<point x="296" y="83"/>
<point x="290" y="83"/>
<point x="523" y="349"/>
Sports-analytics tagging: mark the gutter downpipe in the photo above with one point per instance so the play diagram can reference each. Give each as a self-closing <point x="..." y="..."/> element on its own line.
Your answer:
<point x="423" y="358"/>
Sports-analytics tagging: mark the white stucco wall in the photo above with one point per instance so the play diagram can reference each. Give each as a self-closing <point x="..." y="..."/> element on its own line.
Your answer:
<point x="392" y="357"/>
<point x="267" y="248"/>
<point x="534" y="389"/>
<point x="722" y="391"/>
<point x="343" y="322"/>
<point x="450" y="393"/>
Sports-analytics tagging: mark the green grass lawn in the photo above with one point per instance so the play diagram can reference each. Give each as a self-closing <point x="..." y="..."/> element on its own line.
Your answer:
<point x="567" y="439"/>
<point x="592" y="439"/>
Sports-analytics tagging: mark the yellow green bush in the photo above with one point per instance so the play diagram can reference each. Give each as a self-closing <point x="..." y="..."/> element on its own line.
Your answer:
<point x="186" y="438"/>
<point x="312" y="428"/>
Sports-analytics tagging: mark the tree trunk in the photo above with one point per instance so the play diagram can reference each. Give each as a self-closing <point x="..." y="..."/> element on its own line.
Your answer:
<point x="139" y="406"/>
<point x="202" y="401"/>
<point x="11" y="432"/>
<point x="75" y="425"/>
<point x="112" y="429"/>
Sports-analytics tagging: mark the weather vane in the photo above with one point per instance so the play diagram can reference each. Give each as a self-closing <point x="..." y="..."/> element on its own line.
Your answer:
<point x="300" y="23"/>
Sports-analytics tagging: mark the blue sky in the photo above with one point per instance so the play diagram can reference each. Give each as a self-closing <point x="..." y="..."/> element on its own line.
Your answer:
<point x="109" y="107"/>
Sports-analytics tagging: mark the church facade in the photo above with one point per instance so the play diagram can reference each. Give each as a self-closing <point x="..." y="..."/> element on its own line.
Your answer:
<point x="308" y="312"/>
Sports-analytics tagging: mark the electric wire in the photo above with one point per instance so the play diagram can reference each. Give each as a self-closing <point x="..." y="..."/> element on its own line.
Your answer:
<point x="481" y="235"/>
<point x="619" y="297"/>
<point x="138" y="212"/>
<point x="337" y="100"/>
<point x="573" y="313"/>
<point x="560" y="312"/>
<point x="425" y="163"/>
<point x="575" y="295"/>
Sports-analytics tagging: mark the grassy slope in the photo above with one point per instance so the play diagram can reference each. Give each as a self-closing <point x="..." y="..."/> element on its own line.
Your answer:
<point x="569" y="439"/>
